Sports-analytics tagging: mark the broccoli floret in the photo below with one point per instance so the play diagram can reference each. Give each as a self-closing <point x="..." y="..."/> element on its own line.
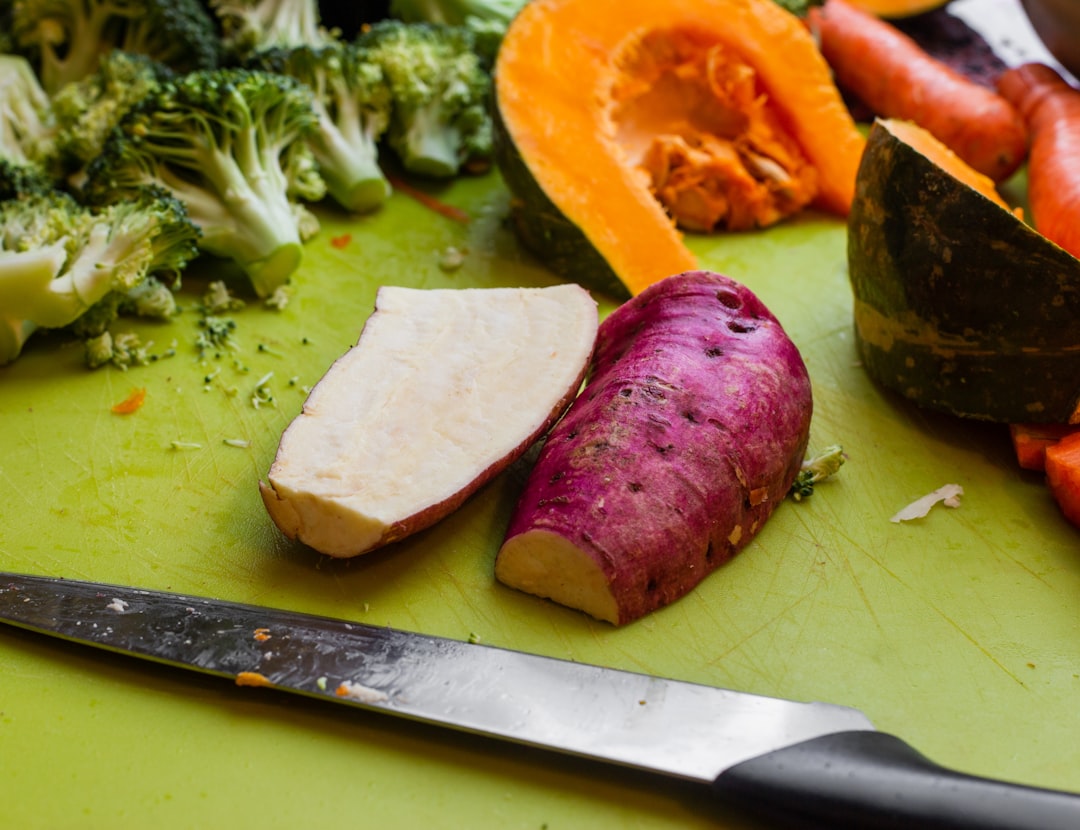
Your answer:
<point x="18" y="179"/>
<point x="440" y="121"/>
<point x="230" y="145"/>
<point x="252" y="25"/>
<point x="66" y="38"/>
<point x="487" y="19"/>
<point x="59" y="259"/>
<point x="27" y="124"/>
<point x="815" y="470"/>
<point x="87" y="110"/>
<point x="352" y="101"/>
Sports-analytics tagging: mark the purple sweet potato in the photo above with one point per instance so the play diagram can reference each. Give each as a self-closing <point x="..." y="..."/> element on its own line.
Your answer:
<point x="690" y="431"/>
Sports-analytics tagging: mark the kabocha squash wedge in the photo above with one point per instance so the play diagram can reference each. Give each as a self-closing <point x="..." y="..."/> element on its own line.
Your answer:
<point x="614" y="116"/>
<point x="959" y="305"/>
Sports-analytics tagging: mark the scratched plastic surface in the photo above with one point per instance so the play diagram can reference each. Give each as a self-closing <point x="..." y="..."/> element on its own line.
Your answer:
<point x="960" y="632"/>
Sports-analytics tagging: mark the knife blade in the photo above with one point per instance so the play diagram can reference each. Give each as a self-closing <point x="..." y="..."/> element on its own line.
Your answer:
<point x="817" y="764"/>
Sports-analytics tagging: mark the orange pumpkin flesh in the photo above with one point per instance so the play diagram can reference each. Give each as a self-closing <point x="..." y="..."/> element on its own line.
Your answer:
<point x="627" y="113"/>
<point x="919" y="138"/>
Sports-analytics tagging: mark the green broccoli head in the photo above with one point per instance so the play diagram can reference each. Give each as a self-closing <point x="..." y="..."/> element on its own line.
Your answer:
<point x="59" y="259"/>
<point x="230" y="144"/>
<point x="352" y="102"/>
<point x="18" y="179"/>
<point x="87" y="110"/>
<point x="65" y="39"/>
<point x="488" y="19"/>
<point x="249" y="26"/>
<point x="440" y="121"/>
<point x="27" y="125"/>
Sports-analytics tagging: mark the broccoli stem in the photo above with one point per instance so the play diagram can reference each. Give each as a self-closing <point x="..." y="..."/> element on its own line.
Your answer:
<point x="347" y="155"/>
<point x="252" y="222"/>
<point x="26" y="290"/>
<point x="429" y="145"/>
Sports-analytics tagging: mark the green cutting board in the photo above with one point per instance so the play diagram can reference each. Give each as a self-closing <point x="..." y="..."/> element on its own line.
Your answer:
<point x="959" y="631"/>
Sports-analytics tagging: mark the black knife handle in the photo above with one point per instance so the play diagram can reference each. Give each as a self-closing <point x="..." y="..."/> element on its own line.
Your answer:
<point x="875" y="780"/>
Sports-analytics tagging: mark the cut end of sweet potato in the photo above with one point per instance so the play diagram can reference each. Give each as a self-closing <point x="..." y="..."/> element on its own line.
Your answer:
<point x="551" y="566"/>
<point x="443" y="391"/>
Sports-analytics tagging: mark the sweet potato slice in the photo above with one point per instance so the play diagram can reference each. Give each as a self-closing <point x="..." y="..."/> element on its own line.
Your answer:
<point x="690" y="432"/>
<point x="444" y="389"/>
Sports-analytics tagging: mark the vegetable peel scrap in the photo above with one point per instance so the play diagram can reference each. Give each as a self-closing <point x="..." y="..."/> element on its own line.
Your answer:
<point x="948" y="494"/>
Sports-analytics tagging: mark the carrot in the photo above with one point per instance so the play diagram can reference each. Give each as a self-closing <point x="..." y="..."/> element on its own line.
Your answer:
<point x="1051" y="109"/>
<point x="1031" y="440"/>
<point x="132" y="403"/>
<point x="897" y="78"/>
<point x="1063" y="475"/>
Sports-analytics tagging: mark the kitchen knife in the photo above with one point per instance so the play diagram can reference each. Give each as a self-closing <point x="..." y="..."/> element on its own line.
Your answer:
<point x="797" y="764"/>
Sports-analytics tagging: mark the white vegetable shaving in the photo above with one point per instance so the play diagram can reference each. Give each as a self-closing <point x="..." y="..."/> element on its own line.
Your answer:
<point x="949" y="495"/>
<point x="360" y="693"/>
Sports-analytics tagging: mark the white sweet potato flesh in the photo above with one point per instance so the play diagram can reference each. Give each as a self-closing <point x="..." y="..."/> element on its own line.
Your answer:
<point x="691" y="430"/>
<point x="443" y="390"/>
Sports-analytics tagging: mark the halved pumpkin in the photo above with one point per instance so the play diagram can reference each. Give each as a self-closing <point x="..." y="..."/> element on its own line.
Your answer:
<point x="620" y="120"/>
<point x="960" y="305"/>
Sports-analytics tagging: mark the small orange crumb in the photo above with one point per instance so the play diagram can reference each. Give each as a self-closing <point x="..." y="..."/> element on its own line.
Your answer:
<point x="131" y="403"/>
<point x="262" y="634"/>
<point x="252" y="678"/>
<point x="341" y="241"/>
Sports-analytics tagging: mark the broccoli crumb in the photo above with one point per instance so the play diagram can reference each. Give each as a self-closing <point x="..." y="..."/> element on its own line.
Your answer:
<point x="216" y="334"/>
<point x="263" y="395"/>
<point x="279" y="299"/>
<point x="451" y="258"/>
<point x="217" y="299"/>
<point x="817" y="469"/>
<point x="123" y="350"/>
<point x="262" y="347"/>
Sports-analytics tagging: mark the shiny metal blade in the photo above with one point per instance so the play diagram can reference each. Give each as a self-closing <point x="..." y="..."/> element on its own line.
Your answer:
<point x="683" y="729"/>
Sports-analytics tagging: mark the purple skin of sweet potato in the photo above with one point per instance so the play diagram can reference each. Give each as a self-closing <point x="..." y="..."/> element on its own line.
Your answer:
<point x="690" y="431"/>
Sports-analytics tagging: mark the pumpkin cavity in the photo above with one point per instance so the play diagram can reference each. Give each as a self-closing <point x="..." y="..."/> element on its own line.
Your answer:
<point x="692" y="115"/>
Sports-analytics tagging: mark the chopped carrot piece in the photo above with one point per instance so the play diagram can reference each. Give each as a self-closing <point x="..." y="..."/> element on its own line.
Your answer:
<point x="131" y="403"/>
<point x="1063" y="475"/>
<point x="1031" y="440"/>
<point x="341" y="241"/>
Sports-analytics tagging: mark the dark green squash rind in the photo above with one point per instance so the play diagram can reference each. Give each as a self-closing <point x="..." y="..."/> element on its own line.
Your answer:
<point x="543" y="229"/>
<point x="959" y="305"/>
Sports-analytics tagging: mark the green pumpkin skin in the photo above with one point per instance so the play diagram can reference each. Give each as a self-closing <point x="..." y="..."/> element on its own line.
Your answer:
<point x="959" y="305"/>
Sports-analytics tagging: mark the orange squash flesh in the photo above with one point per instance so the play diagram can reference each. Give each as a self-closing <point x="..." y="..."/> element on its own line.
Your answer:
<point x="923" y="141"/>
<point x="615" y="105"/>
